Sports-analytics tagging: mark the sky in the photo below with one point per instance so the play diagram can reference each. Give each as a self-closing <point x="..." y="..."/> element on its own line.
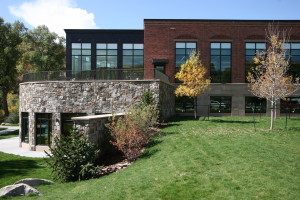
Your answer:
<point x="129" y="14"/>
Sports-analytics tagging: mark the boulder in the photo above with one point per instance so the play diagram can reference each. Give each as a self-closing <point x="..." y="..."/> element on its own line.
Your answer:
<point x="34" y="181"/>
<point x="18" y="190"/>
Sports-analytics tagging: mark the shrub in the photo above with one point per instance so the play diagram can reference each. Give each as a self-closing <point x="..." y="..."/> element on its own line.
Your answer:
<point x="72" y="158"/>
<point x="133" y="131"/>
<point x="13" y="118"/>
<point x="147" y="98"/>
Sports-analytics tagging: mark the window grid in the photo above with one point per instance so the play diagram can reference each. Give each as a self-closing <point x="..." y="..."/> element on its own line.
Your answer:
<point x="133" y="55"/>
<point x="220" y="104"/>
<point x="81" y="56"/>
<point x="220" y="62"/>
<point x="183" y="51"/>
<point x="107" y="55"/>
<point x="255" y="105"/>
<point x="251" y="50"/>
<point x="293" y="54"/>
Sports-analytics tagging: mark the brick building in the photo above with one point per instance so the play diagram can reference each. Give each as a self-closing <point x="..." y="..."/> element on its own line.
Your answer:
<point x="227" y="48"/>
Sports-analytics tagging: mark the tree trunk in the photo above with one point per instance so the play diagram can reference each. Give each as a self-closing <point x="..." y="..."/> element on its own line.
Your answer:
<point x="272" y="116"/>
<point x="195" y="107"/>
<point x="4" y="103"/>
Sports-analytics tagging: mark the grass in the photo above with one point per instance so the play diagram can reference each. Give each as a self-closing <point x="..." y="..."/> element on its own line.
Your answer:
<point x="14" y="168"/>
<point x="193" y="159"/>
<point x="9" y="134"/>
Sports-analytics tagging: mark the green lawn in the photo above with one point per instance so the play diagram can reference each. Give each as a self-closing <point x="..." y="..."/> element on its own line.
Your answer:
<point x="218" y="159"/>
<point x="10" y="134"/>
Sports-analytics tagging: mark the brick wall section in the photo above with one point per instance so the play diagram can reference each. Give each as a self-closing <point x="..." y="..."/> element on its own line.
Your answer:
<point x="160" y="37"/>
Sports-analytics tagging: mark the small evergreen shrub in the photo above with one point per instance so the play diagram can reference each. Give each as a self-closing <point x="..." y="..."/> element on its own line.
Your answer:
<point x="72" y="158"/>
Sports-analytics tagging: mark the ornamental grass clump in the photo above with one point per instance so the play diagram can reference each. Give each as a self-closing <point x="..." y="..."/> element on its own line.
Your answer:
<point x="72" y="158"/>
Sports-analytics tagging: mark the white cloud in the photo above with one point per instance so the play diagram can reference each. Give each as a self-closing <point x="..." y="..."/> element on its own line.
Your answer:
<point x="56" y="14"/>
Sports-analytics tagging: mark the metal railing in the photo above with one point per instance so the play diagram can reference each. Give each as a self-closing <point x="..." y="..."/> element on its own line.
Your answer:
<point x="98" y="74"/>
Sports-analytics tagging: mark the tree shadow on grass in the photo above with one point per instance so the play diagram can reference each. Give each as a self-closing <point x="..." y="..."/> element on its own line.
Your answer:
<point x="232" y="121"/>
<point x="17" y="167"/>
<point x="294" y="129"/>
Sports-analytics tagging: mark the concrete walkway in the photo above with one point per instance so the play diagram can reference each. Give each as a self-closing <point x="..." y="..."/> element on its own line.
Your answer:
<point x="11" y="145"/>
<point x="8" y="129"/>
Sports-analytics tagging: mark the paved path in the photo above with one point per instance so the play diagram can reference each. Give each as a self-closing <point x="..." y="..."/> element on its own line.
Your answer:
<point x="11" y="145"/>
<point x="9" y="129"/>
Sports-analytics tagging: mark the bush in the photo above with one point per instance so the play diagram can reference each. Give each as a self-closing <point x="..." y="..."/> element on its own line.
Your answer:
<point x="72" y="158"/>
<point x="132" y="132"/>
<point x="13" y="118"/>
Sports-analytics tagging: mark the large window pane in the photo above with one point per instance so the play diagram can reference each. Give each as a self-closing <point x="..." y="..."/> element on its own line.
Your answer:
<point x="43" y="128"/>
<point x="290" y="105"/>
<point x="107" y="55"/>
<point x="25" y="127"/>
<point x="220" y="62"/>
<point x="133" y="55"/>
<point x="294" y="55"/>
<point x="182" y="53"/>
<point x="255" y="105"/>
<point x="220" y="104"/>
<point x="81" y="56"/>
<point x="252" y="49"/>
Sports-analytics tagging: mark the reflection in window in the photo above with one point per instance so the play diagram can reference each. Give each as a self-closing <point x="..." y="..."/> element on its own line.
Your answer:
<point x="252" y="48"/>
<point x="183" y="51"/>
<point x="25" y="127"/>
<point x="255" y="105"/>
<point x="133" y="56"/>
<point x="293" y="53"/>
<point x="107" y="55"/>
<point x="220" y="62"/>
<point x="220" y="104"/>
<point x="81" y="57"/>
<point x="67" y="124"/>
<point x="184" y="104"/>
<point x="43" y="128"/>
<point x="290" y="105"/>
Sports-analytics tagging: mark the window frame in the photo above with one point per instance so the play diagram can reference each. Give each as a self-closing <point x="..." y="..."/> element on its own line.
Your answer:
<point x="134" y="48"/>
<point x="256" y="107"/>
<point x="220" y="102"/>
<point x="253" y="55"/>
<point x="38" y="132"/>
<point x="106" y="55"/>
<point x="81" y="56"/>
<point x="219" y="71"/>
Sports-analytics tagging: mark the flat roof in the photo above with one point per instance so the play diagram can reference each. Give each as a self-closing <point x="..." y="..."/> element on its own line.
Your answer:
<point x="246" y="20"/>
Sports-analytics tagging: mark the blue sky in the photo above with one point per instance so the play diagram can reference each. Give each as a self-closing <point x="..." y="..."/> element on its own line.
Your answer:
<point x="129" y="14"/>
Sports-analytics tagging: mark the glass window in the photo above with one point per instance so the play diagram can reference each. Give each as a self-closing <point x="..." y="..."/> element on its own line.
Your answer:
<point x="107" y="55"/>
<point x="290" y="105"/>
<point x="81" y="57"/>
<point x="293" y="53"/>
<point x="184" y="104"/>
<point x="255" y="105"/>
<point x="183" y="51"/>
<point x="220" y="104"/>
<point x="220" y="62"/>
<point x="43" y="128"/>
<point x="133" y="56"/>
<point x="252" y="48"/>
<point x="25" y="127"/>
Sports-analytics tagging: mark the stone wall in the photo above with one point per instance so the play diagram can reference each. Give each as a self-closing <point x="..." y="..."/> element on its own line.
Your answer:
<point x="90" y="97"/>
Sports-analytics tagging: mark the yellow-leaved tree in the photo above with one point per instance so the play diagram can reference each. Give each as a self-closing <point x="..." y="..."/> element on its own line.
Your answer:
<point x="270" y="79"/>
<point x="193" y="77"/>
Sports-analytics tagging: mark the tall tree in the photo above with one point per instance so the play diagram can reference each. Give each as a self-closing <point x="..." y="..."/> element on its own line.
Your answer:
<point x="269" y="79"/>
<point x="42" y="50"/>
<point x="193" y="77"/>
<point x="10" y="38"/>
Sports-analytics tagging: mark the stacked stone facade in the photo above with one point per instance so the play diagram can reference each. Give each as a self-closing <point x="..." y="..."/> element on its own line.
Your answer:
<point x="89" y="97"/>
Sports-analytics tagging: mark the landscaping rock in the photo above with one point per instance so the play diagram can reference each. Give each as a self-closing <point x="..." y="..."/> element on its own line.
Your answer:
<point x="18" y="190"/>
<point x="34" y="181"/>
